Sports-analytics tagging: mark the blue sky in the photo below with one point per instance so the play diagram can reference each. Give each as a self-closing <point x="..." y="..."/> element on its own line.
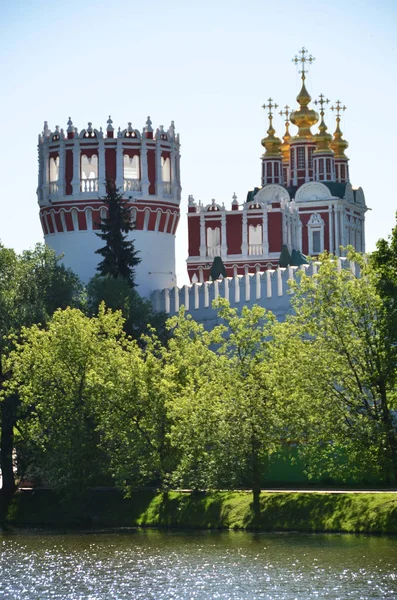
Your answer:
<point x="209" y="66"/>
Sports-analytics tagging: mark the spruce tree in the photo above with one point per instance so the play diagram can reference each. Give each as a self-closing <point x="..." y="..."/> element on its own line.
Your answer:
<point x="119" y="255"/>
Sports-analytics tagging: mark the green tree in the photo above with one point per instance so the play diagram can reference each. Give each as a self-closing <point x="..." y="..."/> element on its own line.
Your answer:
<point x="119" y="256"/>
<point x="32" y="285"/>
<point x="345" y="367"/>
<point x="54" y="373"/>
<point x="138" y="312"/>
<point x="132" y="414"/>
<point x="226" y="418"/>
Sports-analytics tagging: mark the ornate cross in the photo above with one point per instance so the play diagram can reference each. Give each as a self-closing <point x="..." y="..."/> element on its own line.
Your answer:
<point x="321" y="101"/>
<point x="303" y="59"/>
<point x="285" y="113"/>
<point x="270" y="106"/>
<point x="338" y="108"/>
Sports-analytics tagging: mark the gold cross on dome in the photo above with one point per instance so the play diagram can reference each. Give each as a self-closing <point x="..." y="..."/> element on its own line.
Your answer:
<point x="338" y="108"/>
<point x="285" y="113"/>
<point x="321" y="101"/>
<point x="304" y="58"/>
<point x="270" y="106"/>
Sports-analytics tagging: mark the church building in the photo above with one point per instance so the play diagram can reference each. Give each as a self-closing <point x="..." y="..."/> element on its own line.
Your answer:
<point x="305" y="205"/>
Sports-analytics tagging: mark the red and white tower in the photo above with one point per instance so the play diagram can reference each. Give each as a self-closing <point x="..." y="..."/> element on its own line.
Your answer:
<point x="73" y="170"/>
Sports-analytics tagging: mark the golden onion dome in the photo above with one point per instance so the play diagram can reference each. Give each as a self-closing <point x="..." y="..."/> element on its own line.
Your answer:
<point x="304" y="118"/>
<point x="338" y="144"/>
<point x="272" y="144"/>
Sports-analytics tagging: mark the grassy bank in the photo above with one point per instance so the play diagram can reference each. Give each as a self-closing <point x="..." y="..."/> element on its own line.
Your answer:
<point x="280" y="511"/>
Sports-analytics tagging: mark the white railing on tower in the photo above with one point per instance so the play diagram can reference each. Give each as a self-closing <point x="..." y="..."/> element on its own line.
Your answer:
<point x="255" y="249"/>
<point x="213" y="251"/>
<point x="132" y="185"/>
<point x="53" y="187"/>
<point x="89" y="185"/>
<point x="167" y="187"/>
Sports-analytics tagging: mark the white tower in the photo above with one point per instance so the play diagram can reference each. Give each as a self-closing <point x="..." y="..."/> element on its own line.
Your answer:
<point x="73" y="170"/>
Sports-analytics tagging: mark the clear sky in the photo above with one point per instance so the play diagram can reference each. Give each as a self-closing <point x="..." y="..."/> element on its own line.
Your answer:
<point x="209" y="66"/>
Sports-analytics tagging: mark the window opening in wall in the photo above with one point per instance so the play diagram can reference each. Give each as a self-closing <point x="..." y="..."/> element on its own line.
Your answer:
<point x="213" y="242"/>
<point x="54" y="169"/>
<point x="301" y="158"/>
<point x="166" y="174"/>
<point x="321" y="166"/>
<point x="276" y="169"/>
<point x="328" y="168"/>
<point x="316" y="241"/>
<point x="292" y="158"/>
<point x="342" y="172"/>
<point x="131" y="173"/>
<point x="269" y="169"/>
<point x="89" y="173"/>
<point x="255" y="246"/>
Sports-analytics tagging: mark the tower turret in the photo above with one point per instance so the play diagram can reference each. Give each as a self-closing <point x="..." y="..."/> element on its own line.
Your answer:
<point x="302" y="145"/>
<point x="339" y="146"/>
<point x="272" y="157"/>
<point x="323" y="156"/>
<point x="73" y="171"/>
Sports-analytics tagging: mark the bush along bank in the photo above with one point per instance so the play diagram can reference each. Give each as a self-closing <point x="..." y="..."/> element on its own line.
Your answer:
<point x="279" y="511"/>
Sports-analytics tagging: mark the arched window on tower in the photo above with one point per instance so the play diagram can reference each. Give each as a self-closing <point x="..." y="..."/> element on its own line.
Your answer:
<point x="255" y="245"/>
<point x="310" y="155"/>
<point x="166" y="174"/>
<point x="54" y="174"/>
<point x="213" y="242"/>
<point x="89" y="173"/>
<point x="132" y="175"/>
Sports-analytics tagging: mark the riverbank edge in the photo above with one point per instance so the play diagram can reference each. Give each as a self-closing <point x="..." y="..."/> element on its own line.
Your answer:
<point x="349" y="512"/>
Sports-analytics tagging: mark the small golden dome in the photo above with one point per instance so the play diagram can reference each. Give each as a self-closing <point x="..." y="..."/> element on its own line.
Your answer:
<point x="285" y="146"/>
<point x="338" y="144"/>
<point x="323" y="139"/>
<point x="271" y="143"/>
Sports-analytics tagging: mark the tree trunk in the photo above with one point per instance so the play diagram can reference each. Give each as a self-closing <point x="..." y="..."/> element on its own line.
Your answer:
<point x="256" y="480"/>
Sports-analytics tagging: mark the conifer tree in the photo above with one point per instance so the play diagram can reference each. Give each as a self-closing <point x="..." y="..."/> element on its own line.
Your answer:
<point x="119" y="255"/>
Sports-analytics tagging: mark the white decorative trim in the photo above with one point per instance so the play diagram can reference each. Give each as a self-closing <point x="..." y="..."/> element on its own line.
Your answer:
<point x="271" y="193"/>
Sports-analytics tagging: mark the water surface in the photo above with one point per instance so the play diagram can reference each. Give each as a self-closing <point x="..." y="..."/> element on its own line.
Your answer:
<point x="159" y="565"/>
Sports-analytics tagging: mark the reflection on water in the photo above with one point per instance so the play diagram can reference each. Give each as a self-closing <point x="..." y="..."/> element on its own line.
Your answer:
<point x="201" y="566"/>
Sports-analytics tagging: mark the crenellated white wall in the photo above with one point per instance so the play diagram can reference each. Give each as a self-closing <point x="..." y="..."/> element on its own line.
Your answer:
<point x="269" y="289"/>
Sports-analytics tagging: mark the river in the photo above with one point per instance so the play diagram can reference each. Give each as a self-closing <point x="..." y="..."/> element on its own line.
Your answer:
<point x="158" y="565"/>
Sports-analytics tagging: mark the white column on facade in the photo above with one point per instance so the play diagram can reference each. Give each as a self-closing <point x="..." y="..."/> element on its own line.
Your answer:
<point x="337" y="230"/>
<point x="203" y="247"/>
<point x="265" y="232"/>
<point x="61" y="172"/>
<point x="331" y="228"/>
<point x="144" y="169"/>
<point x="300" y="234"/>
<point x="76" y="167"/>
<point x="101" y="169"/>
<point x="223" y="234"/>
<point x="344" y="228"/>
<point x="159" y="171"/>
<point x="244" y="245"/>
<point x="119" y="164"/>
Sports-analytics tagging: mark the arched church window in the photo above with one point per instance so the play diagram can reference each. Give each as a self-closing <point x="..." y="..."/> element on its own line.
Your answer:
<point x="213" y="242"/>
<point x="255" y="246"/>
